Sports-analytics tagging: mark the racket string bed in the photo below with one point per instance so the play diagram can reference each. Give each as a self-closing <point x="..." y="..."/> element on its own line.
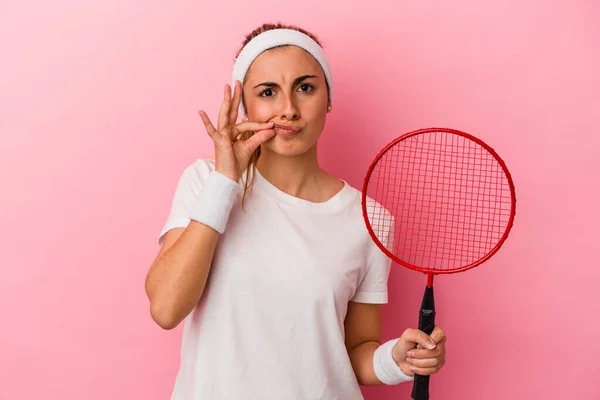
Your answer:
<point x="448" y="198"/>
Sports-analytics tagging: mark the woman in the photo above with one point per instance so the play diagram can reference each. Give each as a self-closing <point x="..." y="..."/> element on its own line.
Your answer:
<point x="265" y="254"/>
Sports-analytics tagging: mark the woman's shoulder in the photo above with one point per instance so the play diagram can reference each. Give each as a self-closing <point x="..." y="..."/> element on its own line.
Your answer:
<point x="196" y="172"/>
<point x="200" y="167"/>
<point x="371" y="206"/>
<point x="203" y="163"/>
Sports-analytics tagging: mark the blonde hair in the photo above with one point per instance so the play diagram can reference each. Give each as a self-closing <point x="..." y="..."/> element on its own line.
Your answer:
<point x="251" y="169"/>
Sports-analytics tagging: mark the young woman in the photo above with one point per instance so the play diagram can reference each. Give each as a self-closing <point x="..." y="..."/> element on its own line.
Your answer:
<point x="265" y="255"/>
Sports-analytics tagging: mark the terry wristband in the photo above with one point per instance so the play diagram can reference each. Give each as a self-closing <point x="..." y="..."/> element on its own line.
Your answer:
<point x="215" y="201"/>
<point x="386" y="369"/>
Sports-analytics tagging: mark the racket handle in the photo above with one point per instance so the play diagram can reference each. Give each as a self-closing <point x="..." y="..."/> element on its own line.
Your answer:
<point x="426" y="324"/>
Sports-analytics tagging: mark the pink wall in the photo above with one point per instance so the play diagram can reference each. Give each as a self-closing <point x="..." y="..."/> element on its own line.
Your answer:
<point x="98" y="117"/>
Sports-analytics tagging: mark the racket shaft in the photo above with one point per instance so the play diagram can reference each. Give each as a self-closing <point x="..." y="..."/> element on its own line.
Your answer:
<point x="426" y="324"/>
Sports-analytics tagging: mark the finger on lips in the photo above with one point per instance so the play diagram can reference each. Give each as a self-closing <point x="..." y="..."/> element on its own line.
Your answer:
<point x="227" y="118"/>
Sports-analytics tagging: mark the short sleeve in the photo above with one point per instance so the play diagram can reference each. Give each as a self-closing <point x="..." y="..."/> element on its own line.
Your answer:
<point x="373" y="288"/>
<point x="186" y="194"/>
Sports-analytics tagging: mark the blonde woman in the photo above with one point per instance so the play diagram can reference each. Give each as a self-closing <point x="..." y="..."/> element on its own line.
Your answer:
<point x="265" y="256"/>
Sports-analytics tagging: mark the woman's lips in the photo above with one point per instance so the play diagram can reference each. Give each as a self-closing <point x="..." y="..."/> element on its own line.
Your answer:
<point x="286" y="129"/>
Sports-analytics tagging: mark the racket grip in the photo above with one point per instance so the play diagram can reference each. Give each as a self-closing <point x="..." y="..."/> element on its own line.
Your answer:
<point x="426" y="324"/>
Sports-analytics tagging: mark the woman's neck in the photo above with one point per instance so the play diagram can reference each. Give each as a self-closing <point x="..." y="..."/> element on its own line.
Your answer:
<point x="299" y="176"/>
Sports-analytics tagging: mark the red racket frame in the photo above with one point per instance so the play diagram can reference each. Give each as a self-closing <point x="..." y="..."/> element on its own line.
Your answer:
<point x="428" y="271"/>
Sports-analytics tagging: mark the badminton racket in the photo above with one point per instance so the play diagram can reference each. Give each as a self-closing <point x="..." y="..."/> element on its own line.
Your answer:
<point x="437" y="201"/>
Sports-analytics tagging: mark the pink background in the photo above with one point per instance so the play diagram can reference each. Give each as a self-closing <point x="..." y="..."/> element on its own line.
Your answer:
<point x="98" y="115"/>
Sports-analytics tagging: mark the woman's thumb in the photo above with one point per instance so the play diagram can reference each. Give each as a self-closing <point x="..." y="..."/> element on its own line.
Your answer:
<point x="259" y="138"/>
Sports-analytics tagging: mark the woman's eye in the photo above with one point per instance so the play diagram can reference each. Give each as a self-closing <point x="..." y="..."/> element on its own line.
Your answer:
<point x="306" y="87"/>
<point x="267" y="93"/>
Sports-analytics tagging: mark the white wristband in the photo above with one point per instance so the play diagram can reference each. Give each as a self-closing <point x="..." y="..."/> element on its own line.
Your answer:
<point x="215" y="201"/>
<point x="386" y="369"/>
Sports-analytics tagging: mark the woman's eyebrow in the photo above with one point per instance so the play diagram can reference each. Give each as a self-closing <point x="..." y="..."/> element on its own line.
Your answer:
<point x="296" y="81"/>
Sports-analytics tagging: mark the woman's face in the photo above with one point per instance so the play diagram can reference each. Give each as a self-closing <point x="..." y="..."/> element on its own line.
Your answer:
<point x="287" y="86"/>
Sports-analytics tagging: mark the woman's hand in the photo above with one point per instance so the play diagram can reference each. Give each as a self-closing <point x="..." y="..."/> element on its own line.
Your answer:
<point x="231" y="153"/>
<point x="418" y="353"/>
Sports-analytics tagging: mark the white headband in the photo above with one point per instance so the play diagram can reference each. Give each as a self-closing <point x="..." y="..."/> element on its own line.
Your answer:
<point x="273" y="38"/>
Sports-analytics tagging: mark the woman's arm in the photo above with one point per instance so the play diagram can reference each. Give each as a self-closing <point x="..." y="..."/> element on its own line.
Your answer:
<point x="177" y="277"/>
<point x="411" y="350"/>
<point x="363" y="337"/>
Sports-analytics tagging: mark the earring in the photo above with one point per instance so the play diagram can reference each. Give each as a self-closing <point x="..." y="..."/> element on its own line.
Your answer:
<point x="328" y="108"/>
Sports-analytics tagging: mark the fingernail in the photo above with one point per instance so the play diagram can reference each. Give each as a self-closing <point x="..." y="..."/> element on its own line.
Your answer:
<point x="430" y="345"/>
<point x="411" y="354"/>
<point x="413" y="369"/>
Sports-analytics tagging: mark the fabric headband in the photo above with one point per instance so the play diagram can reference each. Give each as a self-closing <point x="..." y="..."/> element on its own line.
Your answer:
<point x="273" y="38"/>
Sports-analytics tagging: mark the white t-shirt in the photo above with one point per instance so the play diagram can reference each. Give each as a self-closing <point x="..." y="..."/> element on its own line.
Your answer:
<point x="270" y="323"/>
